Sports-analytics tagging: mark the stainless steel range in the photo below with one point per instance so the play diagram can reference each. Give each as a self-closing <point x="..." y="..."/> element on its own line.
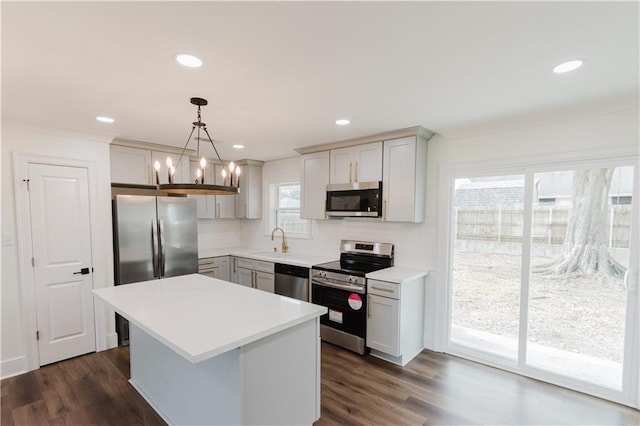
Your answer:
<point x="341" y="286"/>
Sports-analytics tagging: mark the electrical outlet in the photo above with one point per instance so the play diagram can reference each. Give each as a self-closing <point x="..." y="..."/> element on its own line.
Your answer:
<point x="8" y="240"/>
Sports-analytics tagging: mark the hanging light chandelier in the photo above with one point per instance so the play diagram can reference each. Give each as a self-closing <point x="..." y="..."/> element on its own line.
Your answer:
<point x="230" y="172"/>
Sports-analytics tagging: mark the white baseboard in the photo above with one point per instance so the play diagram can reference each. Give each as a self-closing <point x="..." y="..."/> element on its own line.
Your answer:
<point x="13" y="367"/>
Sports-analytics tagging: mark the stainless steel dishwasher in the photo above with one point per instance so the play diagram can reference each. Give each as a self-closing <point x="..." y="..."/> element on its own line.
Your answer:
<point x="292" y="281"/>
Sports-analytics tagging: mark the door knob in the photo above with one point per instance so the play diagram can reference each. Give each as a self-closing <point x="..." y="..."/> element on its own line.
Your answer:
<point x="83" y="271"/>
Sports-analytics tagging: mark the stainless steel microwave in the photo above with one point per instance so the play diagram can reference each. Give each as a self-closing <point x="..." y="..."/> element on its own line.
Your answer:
<point x="361" y="199"/>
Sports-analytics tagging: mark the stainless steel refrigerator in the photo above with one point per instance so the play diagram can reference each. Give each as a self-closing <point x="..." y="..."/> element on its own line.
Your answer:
<point x="154" y="237"/>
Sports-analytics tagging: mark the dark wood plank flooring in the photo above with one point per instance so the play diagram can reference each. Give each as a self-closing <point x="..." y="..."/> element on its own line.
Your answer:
<point x="433" y="389"/>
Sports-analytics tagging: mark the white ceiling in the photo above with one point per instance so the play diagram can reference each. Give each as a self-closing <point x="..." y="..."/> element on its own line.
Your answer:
<point x="278" y="74"/>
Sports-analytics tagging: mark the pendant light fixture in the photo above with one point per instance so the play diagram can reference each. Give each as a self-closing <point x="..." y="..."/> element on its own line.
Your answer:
<point x="230" y="173"/>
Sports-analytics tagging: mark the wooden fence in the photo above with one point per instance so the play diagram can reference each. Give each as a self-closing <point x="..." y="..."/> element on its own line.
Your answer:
<point x="505" y="224"/>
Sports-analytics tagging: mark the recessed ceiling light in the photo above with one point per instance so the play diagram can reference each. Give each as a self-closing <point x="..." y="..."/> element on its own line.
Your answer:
<point x="238" y="146"/>
<point x="568" y="66"/>
<point x="188" y="60"/>
<point x="105" y="119"/>
<point x="342" y="122"/>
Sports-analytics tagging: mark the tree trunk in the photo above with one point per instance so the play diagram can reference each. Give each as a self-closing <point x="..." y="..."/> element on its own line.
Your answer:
<point x="585" y="244"/>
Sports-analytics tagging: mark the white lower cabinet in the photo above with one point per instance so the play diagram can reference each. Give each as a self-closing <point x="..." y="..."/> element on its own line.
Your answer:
<point x="215" y="267"/>
<point x="395" y="319"/>
<point x="383" y="325"/>
<point x="255" y="274"/>
<point x="245" y="277"/>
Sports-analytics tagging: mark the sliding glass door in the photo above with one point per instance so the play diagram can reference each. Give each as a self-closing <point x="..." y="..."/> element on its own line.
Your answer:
<point x="487" y="264"/>
<point x="577" y="304"/>
<point x="543" y="275"/>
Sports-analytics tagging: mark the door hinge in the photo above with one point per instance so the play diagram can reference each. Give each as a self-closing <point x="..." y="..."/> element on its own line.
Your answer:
<point x="37" y="334"/>
<point x="27" y="182"/>
<point x="33" y="262"/>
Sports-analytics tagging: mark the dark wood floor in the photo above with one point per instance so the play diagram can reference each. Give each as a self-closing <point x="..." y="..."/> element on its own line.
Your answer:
<point x="432" y="389"/>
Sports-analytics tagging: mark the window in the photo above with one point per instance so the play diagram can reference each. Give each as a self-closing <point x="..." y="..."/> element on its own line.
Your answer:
<point x="546" y="201"/>
<point x="287" y="210"/>
<point x="619" y="200"/>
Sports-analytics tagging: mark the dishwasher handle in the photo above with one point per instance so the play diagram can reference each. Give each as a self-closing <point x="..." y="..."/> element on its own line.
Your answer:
<point x="293" y="270"/>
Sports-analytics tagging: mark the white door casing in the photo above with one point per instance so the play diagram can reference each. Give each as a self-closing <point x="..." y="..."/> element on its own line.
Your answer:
<point x="61" y="247"/>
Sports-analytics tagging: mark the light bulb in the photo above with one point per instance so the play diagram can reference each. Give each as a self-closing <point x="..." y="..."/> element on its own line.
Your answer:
<point x="238" y="171"/>
<point x="156" y="165"/>
<point x="198" y="173"/>
<point x="169" y="162"/>
<point x="203" y="162"/>
<point x="224" y="173"/>
<point x="231" y="166"/>
<point x="172" y="170"/>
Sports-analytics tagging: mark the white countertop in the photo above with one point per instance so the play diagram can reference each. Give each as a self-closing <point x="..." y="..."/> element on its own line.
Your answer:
<point x="397" y="274"/>
<point x="201" y="317"/>
<point x="298" y="259"/>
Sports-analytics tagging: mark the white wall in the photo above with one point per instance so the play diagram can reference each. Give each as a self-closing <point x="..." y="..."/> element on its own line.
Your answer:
<point x="418" y="245"/>
<point x="39" y="142"/>
<point x="218" y="233"/>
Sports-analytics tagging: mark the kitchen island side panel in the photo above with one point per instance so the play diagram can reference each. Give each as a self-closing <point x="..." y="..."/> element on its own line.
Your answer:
<point x="281" y="377"/>
<point x="182" y="392"/>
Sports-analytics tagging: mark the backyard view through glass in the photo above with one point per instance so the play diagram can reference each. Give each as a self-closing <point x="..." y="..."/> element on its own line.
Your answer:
<point x="288" y="210"/>
<point x="487" y="259"/>
<point x="576" y="305"/>
<point x="580" y="253"/>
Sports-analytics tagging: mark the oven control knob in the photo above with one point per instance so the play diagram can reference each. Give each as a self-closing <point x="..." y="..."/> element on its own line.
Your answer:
<point x="323" y="274"/>
<point x="350" y="279"/>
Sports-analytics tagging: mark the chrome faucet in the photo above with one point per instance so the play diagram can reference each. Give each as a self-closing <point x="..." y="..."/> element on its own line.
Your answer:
<point x="284" y="241"/>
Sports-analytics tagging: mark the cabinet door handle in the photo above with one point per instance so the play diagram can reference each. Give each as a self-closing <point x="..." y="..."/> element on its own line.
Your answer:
<point x="350" y="168"/>
<point x="388" y="290"/>
<point x="368" y="306"/>
<point x="384" y="210"/>
<point x="356" y="173"/>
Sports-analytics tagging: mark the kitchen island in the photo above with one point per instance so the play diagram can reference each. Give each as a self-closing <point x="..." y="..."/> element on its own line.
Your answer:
<point x="205" y="351"/>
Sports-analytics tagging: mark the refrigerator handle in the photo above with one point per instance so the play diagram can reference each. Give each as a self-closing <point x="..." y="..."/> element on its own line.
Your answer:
<point x="154" y="247"/>
<point x="161" y="257"/>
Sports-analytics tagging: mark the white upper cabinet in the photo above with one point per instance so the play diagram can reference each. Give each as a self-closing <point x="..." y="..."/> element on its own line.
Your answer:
<point x="404" y="179"/>
<point x="368" y="162"/>
<point x="135" y="165"/>
<point x="360" y="163"/>
<point x="181" y="174"/>
<point x="213" y="206"/>
<point x="130" y="165"/>
<point x="205" y="204"/>
<point x="315" y="177"/>
<point x="225" y="205"/>
<point x="249" y="200"/>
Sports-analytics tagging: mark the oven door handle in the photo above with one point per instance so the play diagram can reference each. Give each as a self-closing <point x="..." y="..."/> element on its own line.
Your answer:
<point x="360" y="290"/>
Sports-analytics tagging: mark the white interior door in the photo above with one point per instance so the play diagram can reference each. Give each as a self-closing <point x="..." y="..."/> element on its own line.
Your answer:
<point x="60" y="226"/>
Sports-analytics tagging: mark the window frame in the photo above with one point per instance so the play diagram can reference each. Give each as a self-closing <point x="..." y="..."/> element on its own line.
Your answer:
<point x="275" y="209"/>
